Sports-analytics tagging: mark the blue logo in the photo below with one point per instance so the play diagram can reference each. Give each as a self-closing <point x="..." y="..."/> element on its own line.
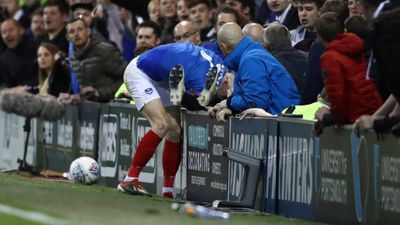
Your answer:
<point x="148" y="91"/>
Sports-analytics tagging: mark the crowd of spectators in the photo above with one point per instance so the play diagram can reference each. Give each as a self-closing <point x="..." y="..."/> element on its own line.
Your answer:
<point x="280" y="52"/>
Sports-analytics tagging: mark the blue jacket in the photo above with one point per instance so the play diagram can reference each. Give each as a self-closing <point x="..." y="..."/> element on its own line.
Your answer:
<point x="196" y="61"/>
<point x="260" y="80"/>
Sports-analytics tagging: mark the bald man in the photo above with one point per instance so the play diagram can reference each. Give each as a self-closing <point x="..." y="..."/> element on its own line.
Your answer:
<point x="260" y="80"/>
<point x="255" y="31"/>
<point x="185" y="31"/>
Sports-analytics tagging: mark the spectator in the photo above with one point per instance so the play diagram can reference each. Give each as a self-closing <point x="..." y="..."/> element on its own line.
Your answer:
<point x="384" y="41"/>
<point x="260" y="80"/>
<point x="55" y="13"/>
<point x="201" y="16"/>
<point x="53" y="71"/>
<point x="182" y="10"/>
<point x="308" y="11"/>
<point x="277" y="41"/>
<point x="184" y="31"/>
<point x="98" y="25"/>
<point x="225" y="15"/>
<point x="37" y="31"/>
<point x="17" y="61"/>
<point x="168" y="9"/>
<point x="344" y="67"/>
<point x="357" y="25"/>
<point x="313" y="80"/>
<point x="155" y="12"/>
<point x="244" y="7"/>
<point x="255" y="31"/>
<point x="355" y="8"/>
<point x="148" y="34"/>
<point x="147" y="77"/>
<point x="283" y="12"/>
<point x="98" y="65"/>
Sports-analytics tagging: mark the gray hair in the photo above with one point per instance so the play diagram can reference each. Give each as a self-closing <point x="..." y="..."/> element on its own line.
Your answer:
<point x="276" y="35"/>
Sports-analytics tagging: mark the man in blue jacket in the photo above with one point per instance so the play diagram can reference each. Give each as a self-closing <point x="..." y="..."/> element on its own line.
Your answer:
<point x="156" y="79"/>
<point x="260" y="80"/>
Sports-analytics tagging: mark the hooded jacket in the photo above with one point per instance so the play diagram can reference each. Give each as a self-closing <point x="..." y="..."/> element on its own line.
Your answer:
<point x="260" y="80"/>
<point x="343" y="68"/>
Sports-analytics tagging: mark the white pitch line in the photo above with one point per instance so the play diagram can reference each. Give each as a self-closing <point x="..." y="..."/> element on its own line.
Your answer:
<point x="32" y="216"/>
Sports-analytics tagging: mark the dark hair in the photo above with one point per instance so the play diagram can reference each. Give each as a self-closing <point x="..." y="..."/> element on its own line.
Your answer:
<point x="229" y="10"/>
<point x="193" y="3"/>
<point x="82" y="5"/>
<point x="357" y="25"/>
<point x="151" y="24"/>
<point x="250" y="4"/>
<point x="61" y="4"/>
<point x="328" y="25"/>
<point x="318" y="3"/>
<point x="337" y="6"/>
<point x="73" y="20"/>
<point x="37" y="12"/>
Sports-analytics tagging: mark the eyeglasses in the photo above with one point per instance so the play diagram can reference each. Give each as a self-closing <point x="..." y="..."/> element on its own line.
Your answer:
<point x="183" y="36"/>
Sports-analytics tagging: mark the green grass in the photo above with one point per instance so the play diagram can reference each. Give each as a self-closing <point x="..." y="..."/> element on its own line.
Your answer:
<point x="80" y="204"/>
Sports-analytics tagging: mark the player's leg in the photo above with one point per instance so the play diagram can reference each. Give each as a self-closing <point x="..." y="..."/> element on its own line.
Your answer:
<point x="213" y="79"/>
<point x="176" y="84"/>
<point x="149" y="103"/>
<point x="172" y="151"/>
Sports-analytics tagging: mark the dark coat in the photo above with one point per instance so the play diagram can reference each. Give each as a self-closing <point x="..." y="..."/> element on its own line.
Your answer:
<point x="101" y="66"/>
<point x="295" y="61"/>
<point x="18" y="65"/>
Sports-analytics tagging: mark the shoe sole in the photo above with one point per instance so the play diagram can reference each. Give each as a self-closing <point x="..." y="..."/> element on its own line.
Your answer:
<point x="176" y="84"/>
<point x="210" y="83"/>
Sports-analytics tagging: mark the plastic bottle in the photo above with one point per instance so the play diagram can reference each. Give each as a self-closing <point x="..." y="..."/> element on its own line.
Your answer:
<point x="200" y="211"/>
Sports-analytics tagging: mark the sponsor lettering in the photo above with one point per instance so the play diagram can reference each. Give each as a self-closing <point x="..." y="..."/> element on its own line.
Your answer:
<point x="87" y="137"/>
<point x="198" y="137"/>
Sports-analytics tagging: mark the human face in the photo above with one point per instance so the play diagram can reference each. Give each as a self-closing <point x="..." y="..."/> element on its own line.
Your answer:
<point x="78" y="33"/>
<point x="84" y="14"/>
<point x="146" y="37"/>
<point x="37" y="26"/>
<point x="45" y="59"/>
<point x="308" y="14"/>
<point x="355" y="8"/>
<point x="11" y="33"/>
<point x="182" y="11"/>
<point x="168" y="8"/>
<point x="223" y="18"/>
<point x="277" y="6"/>
<point x="155" y="14"/>
<point x="185" y="33"/>
<point x="201" y="16"/>
<point x="53" y="18"/>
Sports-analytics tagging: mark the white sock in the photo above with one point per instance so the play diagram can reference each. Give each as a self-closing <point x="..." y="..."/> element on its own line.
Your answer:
<point x="128" y="178"/>
<point x="167" y="189"/>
